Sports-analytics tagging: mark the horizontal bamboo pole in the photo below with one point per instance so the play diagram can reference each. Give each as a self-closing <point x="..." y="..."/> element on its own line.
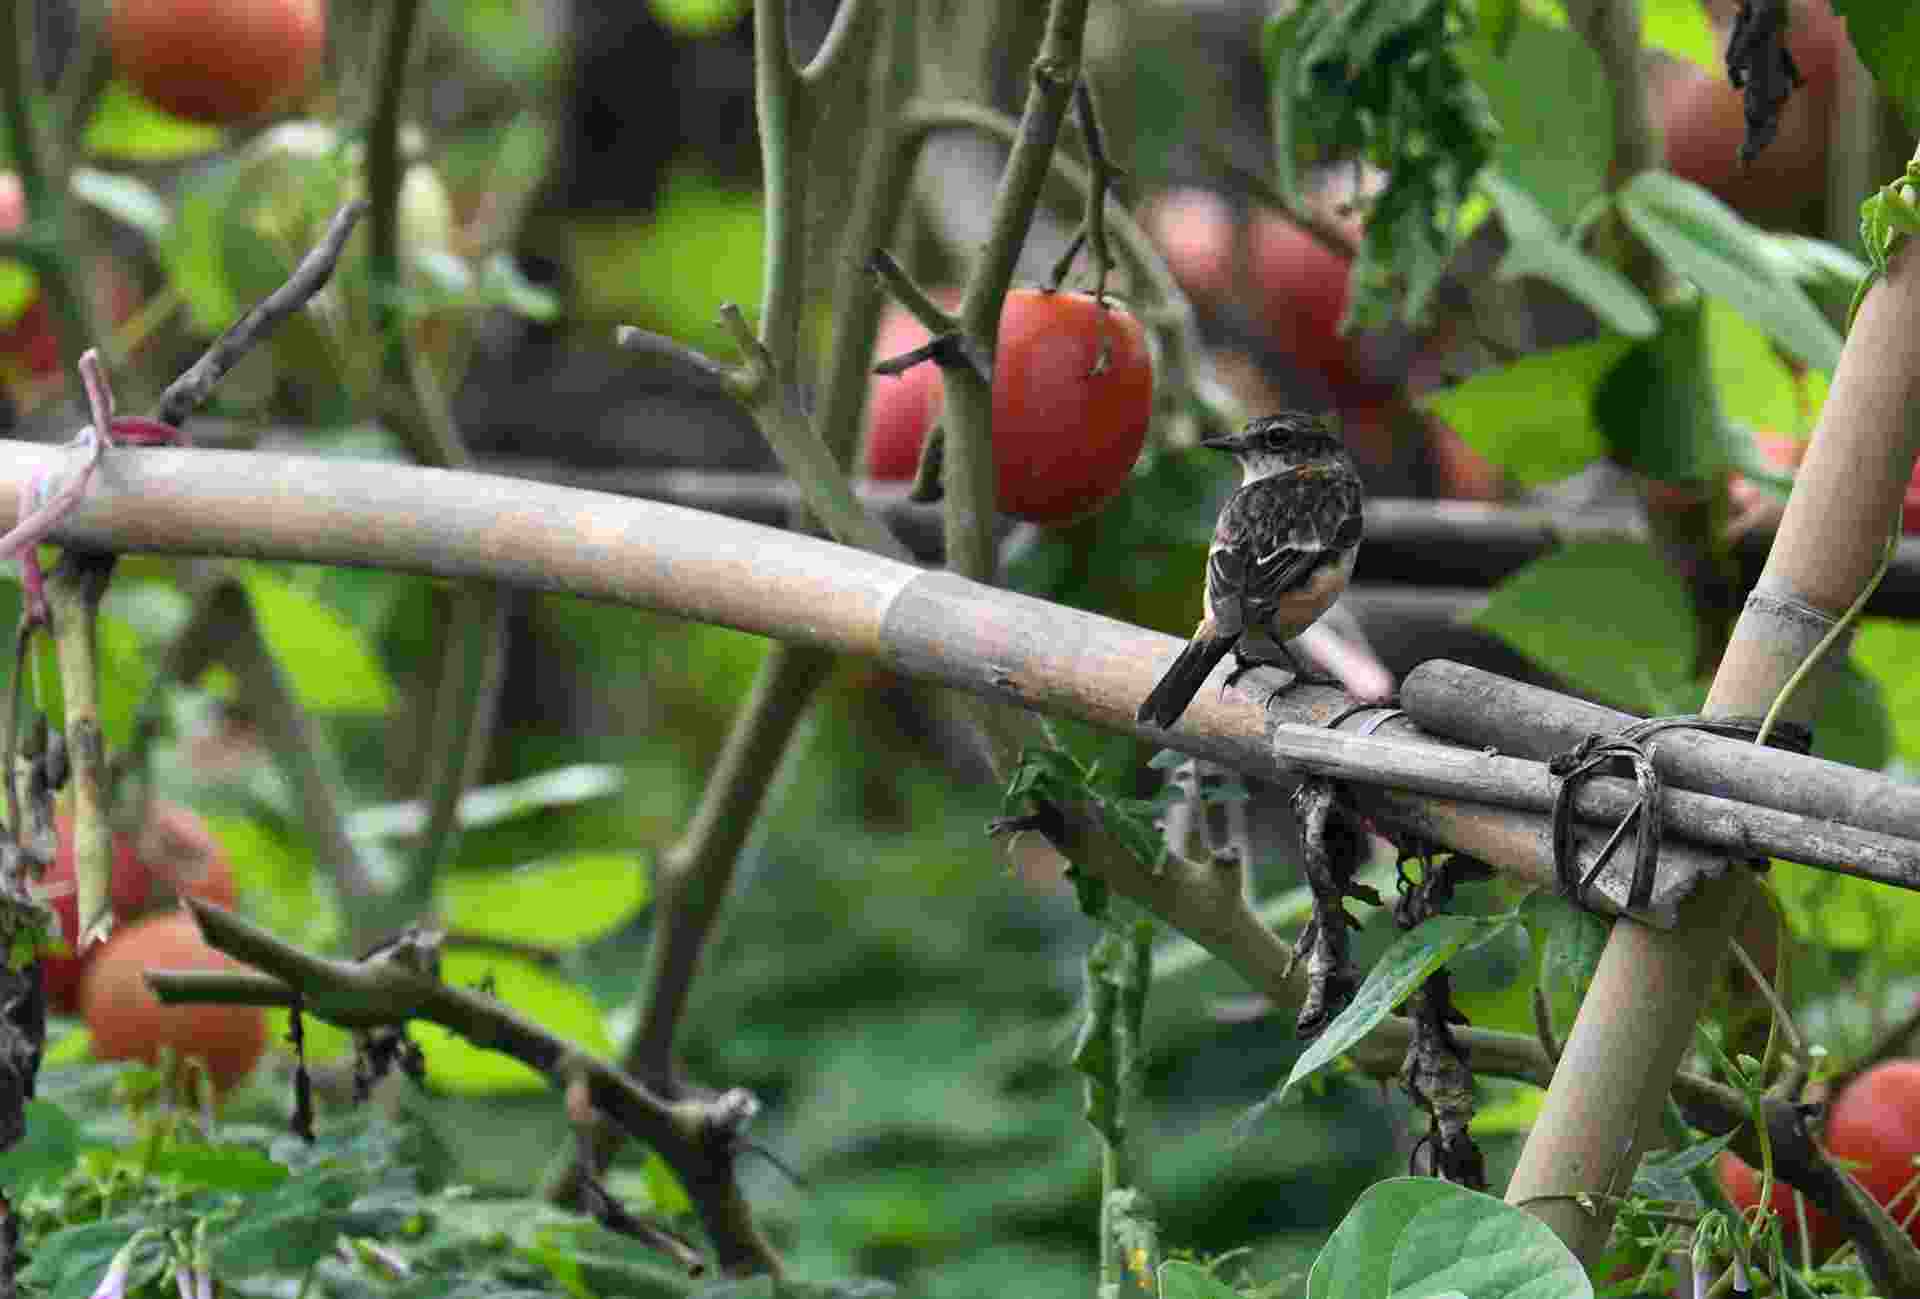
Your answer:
<point x="1476" y="707"/>
<point x="1410" y="542"/>
<point x="791" y="587"/>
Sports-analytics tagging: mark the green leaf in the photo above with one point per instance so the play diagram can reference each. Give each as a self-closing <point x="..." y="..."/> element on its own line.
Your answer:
<point x="1394" y="977"/>
<point x="1658" y="406"/>
<point x="555" y="1004"/>
<point x="294" y="1225"/>
<point x="1701" y="238"/>
<point x="19" y="286"/>
<point x="126" y="671"/>
<point x="1534" y="417"/>
<point x="1563" y="611"/>
<point x="1853" y="725"/>
<point x="331" y="666"/>
<point x="493" y="804"/>
<point x="220" y="1168"/>
<point x="502" y="285"/>
<point x="1886" y="34"/>
<point x="560" y="903"/>
<point x="1180" y="1279"/>
<point x="699" y="17"/>
<point x="1537" y="248"/>
<point x="1888" y="652"/>
<point x="69" y="1263"/>
<point x="1680" y="27"/>
<point x="634" y="272"/>
<point x="1420" y="1237"/>
<point x="519" y="45"/>
<point x="126" y="127"/>
<point x="1753" y="384"/>
<point x="45" y="1154"/>
<point x="1567" y="943"/>
<point x="1663" y="1173"/>
<point x="126" y="199"/>
<point x="1555" y="109"/>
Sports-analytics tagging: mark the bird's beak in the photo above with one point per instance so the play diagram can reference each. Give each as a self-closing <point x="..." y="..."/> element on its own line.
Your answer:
<point x="1222" y="441"/>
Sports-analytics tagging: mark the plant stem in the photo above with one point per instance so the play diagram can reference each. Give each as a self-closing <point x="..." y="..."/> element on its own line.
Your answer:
<point x="969" y="472"/>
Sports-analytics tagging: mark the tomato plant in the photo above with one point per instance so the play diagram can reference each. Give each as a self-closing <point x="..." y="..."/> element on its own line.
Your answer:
<point x="1072" y="395"/>
<point x="217" y="60"/>
<point x="1742" y="1184"/>
<point x="128" y="1023"/>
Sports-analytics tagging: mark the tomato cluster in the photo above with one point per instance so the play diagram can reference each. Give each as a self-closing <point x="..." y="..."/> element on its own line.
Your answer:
<point x="173" y="855"/>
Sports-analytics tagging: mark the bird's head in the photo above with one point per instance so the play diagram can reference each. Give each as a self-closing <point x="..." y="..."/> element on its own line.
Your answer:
<point x="1275" y="441"/>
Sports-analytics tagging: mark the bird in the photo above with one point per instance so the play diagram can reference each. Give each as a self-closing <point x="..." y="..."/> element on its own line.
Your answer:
<point x="1283" y="550"/>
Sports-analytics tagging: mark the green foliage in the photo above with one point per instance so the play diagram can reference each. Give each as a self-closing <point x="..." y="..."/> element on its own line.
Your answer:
<point x="1393" y="978"/>
<point x="699" y="17"/>
<point x="1886" y="35"/>
<point x="1383" y="80"/>
<point x="1563" y="611"/>
<point x="1413" y="1236"/>
<point x="1534" y="418"/>
<point x="1680" y="27"/>
<point x="126" y="127"/>
<point x="557" y="903"/>
<point x="633" y="273"/>
<point x="1658" y="406"/>
<point x="557" y="1004"/>
<point x="328" y="663"/>
<point x="1567" y="943"/>
<point x="1548" y="92"/>
<point x="1539" y="248"/>
<point x="1699" y="237"/>
<point x="1054" y="776"/>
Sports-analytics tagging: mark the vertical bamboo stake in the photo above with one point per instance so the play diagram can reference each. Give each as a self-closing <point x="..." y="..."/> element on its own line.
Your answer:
<point x="1639" y="1015"/>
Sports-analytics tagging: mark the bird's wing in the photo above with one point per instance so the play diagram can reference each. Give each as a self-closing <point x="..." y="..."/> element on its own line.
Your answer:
<point x="1276" y="531"/>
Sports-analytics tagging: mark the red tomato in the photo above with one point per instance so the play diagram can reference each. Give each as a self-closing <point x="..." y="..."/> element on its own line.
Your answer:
<point x="217" y="61"/>
<point x="1874" y="1126"/>
<point x="129" y="1023"/>
<point x="1072" y="395"/>
<point x="173" y="854"/>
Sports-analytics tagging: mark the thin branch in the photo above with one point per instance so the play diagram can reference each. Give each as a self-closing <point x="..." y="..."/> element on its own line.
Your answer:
<point x="473" y="666"/>
<point x="700" y="1138"/>
<point x="187" y="393"/>
<point x="693" y="877"/>
<point x="880" y="192"/>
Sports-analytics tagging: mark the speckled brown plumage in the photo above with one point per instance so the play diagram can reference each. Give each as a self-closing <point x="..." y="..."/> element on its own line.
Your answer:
<point x="1282" y="552"/>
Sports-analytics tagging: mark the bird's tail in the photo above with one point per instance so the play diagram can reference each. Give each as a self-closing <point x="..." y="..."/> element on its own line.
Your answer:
<point x="1163" y="706"/>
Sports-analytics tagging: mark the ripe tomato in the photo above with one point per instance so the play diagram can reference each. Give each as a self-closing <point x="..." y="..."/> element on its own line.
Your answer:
<point x="1742" y="1185"/>
<point x="1194" y="229"/>
<point x="217" y="61"/>
<point x="129" y="1023"/>
<point x="1874" y="1125"/>
<point x="1072" y="395"/>
<point x="173" y="854"/>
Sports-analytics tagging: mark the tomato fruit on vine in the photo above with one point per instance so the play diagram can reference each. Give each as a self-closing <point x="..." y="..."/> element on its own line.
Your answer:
<point x="217" y="61"/>
<point x="1873" y="1126"/>
<point x="172" y="855"/>
<point x="1072" y="396"/>
<point x="128" y="1023"/>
